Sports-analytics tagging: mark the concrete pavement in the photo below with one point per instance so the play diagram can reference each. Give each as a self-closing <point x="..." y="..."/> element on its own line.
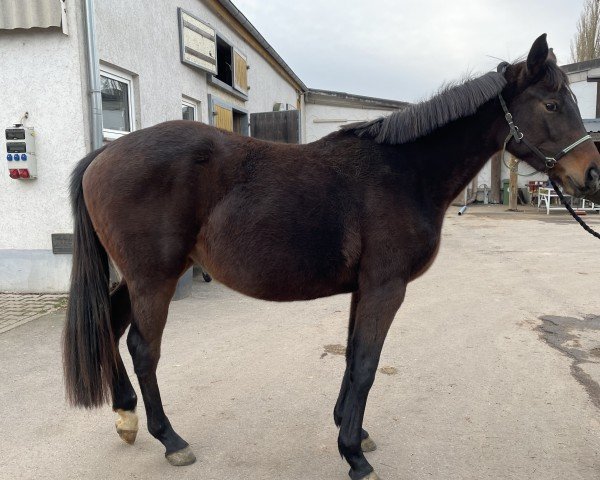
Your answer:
<point x="477" y="386"/>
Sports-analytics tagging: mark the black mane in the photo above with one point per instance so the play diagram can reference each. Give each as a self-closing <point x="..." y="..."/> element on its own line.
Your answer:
<point x="453" y="102"/>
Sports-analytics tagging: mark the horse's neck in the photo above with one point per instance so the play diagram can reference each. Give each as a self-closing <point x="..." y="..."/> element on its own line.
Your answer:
<point x="460" y="150"/>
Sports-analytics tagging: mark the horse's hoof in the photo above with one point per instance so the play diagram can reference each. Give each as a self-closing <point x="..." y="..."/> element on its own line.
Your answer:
<point x="128" y="436"/>
<point x="127" y="425"/>
<point x="368" y="445"/>
<point x="371" y="476"/>
<point x="181" y="458"/>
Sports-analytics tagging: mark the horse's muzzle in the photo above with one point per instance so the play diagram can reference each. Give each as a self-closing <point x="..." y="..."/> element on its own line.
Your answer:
<point x="591" y="190"/>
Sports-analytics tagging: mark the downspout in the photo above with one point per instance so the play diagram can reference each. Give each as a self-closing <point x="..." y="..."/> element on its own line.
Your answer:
<point x="93" y="72"/>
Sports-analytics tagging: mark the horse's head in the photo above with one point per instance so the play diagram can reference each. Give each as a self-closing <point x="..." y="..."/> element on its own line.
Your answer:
<point x="547" y="117"/>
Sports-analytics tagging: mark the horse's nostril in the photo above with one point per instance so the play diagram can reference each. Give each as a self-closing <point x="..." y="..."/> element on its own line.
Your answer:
<point x="592" y="177"/>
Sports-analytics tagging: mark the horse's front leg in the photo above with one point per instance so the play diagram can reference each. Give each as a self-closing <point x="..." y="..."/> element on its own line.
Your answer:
<point x="367" y="444"/>
<point x="375" y="310"/>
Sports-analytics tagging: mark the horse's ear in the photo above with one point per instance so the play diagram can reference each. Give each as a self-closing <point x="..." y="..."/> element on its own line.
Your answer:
<point x="537" y="56"/>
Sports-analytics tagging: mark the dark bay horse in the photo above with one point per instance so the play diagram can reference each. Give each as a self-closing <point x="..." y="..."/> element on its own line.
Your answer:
<point x="358" y="211"/>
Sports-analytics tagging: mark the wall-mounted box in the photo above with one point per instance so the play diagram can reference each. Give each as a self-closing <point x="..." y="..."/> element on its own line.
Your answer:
<point x="20" y="152"/>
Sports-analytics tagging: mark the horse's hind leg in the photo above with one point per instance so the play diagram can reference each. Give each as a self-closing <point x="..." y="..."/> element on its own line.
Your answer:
<point x="375" y="311"/>
<point x="367" y="444"/>
<point x="150" y="305"/>
<point x="123" y="394"/>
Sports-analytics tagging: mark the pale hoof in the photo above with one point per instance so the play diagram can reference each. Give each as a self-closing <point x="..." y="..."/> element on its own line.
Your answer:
<point x="128" y="436"/>
<point x="127" y="425"/>
<point x="371" y="476"/>
<point x="181" y="458"/>
<point x="368" y="445"/>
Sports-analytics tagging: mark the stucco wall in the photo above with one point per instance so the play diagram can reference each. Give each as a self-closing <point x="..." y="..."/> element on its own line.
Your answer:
<point x="151" y="53"/>
<point x="586" y="97"/>
<point x="321" y="120"/>
<point x="43" y="72"/>
<point x="40" y="71"/>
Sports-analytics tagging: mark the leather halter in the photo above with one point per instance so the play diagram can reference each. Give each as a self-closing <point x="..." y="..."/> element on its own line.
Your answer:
<point x="549" y="161"/>
<point x="519" y="137"/>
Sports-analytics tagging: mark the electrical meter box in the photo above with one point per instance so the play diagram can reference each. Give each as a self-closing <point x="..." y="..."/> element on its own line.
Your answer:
<point x="20" y="152"/>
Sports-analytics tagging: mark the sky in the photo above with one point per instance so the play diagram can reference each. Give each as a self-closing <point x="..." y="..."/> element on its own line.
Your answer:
<point x="406" y="49"/>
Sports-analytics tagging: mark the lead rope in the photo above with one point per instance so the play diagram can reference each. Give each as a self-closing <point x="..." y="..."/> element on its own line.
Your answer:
<point x="550" y="161"/>
<point x="584" y="225"/>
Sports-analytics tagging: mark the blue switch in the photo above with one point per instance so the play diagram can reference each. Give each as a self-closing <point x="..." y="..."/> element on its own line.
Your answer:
<point x="9" y="157"/>
<point x="23" y="157"/>
<point x="16" y="157"/>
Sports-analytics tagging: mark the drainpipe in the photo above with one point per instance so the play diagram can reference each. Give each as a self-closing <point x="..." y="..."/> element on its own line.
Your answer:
<point x="93" y="72"/>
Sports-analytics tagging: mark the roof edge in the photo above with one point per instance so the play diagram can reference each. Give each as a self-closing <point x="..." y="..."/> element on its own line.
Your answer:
<point x="329" y="97"/>
<point x="581" y="66"/>
<point x="240" y="17"/>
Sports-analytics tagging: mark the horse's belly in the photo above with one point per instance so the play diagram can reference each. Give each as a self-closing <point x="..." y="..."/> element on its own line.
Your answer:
<point x="273" y="277"/>
<point x="268" y="253"/>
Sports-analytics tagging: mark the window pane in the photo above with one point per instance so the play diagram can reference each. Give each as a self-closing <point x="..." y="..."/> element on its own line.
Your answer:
<point x="187" y="112"/>
<point x="115" y="105"/>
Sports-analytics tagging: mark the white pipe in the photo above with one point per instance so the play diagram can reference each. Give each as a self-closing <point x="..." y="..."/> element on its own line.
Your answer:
<point x="93" y="71"/>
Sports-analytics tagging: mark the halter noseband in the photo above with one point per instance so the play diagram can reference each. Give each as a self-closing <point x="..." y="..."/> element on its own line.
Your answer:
<point x="519" y="137"/>
<point x="549" y="161"/>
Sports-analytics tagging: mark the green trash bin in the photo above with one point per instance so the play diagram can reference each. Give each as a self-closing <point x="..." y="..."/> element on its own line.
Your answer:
<point x="505" y="192"/>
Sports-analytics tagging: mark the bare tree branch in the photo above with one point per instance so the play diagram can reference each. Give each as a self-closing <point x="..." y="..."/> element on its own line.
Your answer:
<point x="586" y="44"/>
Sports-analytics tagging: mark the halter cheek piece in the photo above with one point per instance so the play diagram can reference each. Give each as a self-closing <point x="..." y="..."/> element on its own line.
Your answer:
<point x="549" y="161"/>
<point x="519" y="137"/>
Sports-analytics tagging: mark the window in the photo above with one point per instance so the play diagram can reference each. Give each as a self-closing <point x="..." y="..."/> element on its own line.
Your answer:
<point x="117" y="103"/>
<point x="224" y="63"/>
<point x="227" y="117"/>
<point x="201" y="47"/>
<point x="189" y="110"/>
<point x="232" y="70"/>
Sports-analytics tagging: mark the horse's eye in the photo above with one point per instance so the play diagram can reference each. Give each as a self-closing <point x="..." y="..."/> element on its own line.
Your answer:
<point x="552" y="107"/>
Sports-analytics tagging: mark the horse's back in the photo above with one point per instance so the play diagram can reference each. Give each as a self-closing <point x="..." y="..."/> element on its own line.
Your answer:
<point x="271" y="220"/>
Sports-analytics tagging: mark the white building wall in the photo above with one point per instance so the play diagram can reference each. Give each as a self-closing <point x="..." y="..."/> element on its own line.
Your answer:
<point x="321" y="120"/>
<point x="586" y="97"/>
<point x="43" y="72"/>
<point x="40" y="72"/>
<point x="152" y="55"/>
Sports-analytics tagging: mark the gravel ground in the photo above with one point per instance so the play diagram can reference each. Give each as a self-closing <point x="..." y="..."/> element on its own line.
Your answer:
<point x="490" y="371"/>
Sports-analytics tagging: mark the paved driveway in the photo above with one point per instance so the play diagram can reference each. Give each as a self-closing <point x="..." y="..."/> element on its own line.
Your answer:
<point x="477" y="385"/>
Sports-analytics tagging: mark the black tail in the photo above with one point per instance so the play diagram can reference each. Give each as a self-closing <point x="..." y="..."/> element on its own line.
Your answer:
<point x="89" y="353"/>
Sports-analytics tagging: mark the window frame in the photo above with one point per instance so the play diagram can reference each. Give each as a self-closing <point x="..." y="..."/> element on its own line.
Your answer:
<point x="212" y="101"/>
<point x="214" y="81"/>
<point x="114" y="74"/>
<point x="188" y="102"/>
